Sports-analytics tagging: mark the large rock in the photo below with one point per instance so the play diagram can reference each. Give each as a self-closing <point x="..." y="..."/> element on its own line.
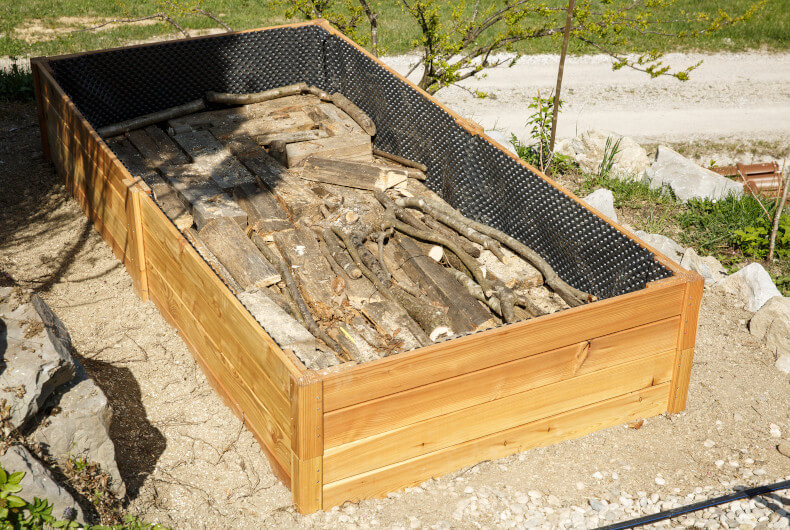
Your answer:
<point x="587" y="150"/>
<point x="772" y="324"/>
<point x="752" y="285"/>
<point x="663" y="244"/>
<point x="39" y="482"/>
<point x="603" y="201"/>
<point x="37" y="357"/>
<point x="81" y="428"/>
<point x="687" y="179"/>
<point x="708" y="267"/>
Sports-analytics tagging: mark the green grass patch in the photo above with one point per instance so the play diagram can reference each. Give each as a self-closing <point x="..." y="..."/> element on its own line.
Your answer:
<point x="769" y="28"/>
<point x="16" y="84"/>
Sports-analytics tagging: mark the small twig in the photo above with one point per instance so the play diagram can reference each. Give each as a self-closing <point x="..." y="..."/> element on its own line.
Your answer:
<point x="778" y="215"/>
<point x="381" y="236"/>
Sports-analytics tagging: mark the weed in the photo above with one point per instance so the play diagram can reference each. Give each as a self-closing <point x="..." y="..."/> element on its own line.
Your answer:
<point x="16" y="83"/>
<point x="610" y="150"/>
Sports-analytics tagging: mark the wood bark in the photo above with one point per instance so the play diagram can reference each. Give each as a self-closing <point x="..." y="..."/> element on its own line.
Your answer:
<point x="402" y="161"/>
<point x="149" y="119"/>
<point x="224" y="98"/>
<point x="348" y="146"/>
<point x="359" y="175"/>
<point x="357" y="114"/>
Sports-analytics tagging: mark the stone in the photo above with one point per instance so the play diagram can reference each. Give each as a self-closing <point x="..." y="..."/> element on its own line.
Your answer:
<point x="81" y="428"/>
<point x="752" y="285"/>
<point x="603" y="201"/>
<point x="39" y="482"/>
<point x="784" y="448"/>
<point x="663" y="244"/>
<point x="37" y="358"/>
<point x="708" y="267"/>
<point x="501" y="138"/>
<point x="687" y="179"/>
<point x="587" y="150"/>
<point x="783" y="364"/>
<point x="772" y="325"/>
<point x="597" y="505"/>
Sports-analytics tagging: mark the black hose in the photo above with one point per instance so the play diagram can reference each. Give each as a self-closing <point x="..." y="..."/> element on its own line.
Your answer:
<point x="751" y="492"/>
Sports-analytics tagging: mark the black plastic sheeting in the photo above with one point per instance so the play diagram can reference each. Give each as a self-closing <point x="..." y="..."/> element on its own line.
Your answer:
<point x="466" y="170"/>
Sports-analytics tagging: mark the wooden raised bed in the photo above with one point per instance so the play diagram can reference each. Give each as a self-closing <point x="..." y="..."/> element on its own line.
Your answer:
<point x="359" y="431"/>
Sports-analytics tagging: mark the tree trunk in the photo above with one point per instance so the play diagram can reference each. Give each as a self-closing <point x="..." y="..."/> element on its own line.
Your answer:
<point x="556" y="107"/>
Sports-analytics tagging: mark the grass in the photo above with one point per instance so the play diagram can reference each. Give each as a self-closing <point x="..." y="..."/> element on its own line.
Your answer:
<point x="16" y="84"/>
<point x="769" y="29"/>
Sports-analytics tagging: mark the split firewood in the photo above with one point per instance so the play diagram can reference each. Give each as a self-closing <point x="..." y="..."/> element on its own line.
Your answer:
<point x="192" y="236"/>
<point x="391" y="322"/>
<point x="430" y="320"/>
<point x="291" y="137"/>
<point x="284" y="267"/>
<point x="149" y="119"/>
<point x="333" y="120"/>
<point x="357" y="114"/>
<point x="264" y="214"/>
<point x="205" y="199"/>
<point x="214" y="159"/>
<point x="206" y="119"/>
<point x="285" y="330"/>
<point x="348" y="146"/>
<point x="157" y="147"/>
<point x="300" y="249"/>
<point x="402" y="161"/>
<point x="259" y="127"/>
<point x="238" y="254"/>
<point x="464" y="311"/>
<point x="360" y="175"/>
<point x="224" y="98"/>
<point x="572" y="296"/>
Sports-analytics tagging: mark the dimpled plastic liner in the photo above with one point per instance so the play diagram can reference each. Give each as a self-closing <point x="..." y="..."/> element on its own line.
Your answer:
<point x="466" y="170"/>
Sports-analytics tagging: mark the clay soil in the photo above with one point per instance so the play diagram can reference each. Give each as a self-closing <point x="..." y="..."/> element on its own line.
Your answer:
<point x="189" y="463"/>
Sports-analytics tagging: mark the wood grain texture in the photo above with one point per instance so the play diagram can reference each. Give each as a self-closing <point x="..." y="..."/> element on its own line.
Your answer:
<point x="572" y="424"/>
<point x="493" y="416"/>
<point x="687" y="337"/>
<point x="361" y="383"/>
<point x="390" y="412"/>
<point x="307" y="484"/>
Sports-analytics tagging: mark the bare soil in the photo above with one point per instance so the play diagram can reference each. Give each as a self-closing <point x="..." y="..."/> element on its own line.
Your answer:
<point x="189" y="463"/>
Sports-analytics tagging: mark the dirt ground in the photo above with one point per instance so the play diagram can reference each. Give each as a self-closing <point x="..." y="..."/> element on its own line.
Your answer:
<point x="188" y="462"/>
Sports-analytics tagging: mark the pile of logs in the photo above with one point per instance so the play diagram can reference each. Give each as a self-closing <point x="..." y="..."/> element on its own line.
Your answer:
<point x="338" y="249"/>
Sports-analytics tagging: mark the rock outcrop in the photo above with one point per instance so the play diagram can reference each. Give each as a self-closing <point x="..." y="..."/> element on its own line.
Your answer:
<point x="752" y="285"/>
<point x="772" y="325"/>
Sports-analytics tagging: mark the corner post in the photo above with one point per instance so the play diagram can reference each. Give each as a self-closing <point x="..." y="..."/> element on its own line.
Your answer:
<point x="687" y="336"/>
<point x="307" y="442"/>
<point x="38" y="88"/>
<point x="134" y="227"/>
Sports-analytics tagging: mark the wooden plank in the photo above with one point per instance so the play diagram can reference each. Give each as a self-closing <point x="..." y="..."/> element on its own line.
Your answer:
<point x="452" y="394"/>
<point x="307" y="443"/>
<point x="686" y="340"/>
<point x="357" y="175"/>
<point x="193" y="276"/>
<point x="136" y="236"/>
<point x="350" y="146"/>
<point x="264" y="214"/>
<point x="261" y="414"/>
<point x="157" y="147"/>
<point x="307" y="484"/>
<point x="290" y="137"/>
<point x="213" y="159"/>
<point x="36" y="65"/>
<point x="436" y="433"/>
<point x="206" y="200"/>
<point x="238" y="254"/>
<point x="406" y="370"/>
<point x="572" y="424"/>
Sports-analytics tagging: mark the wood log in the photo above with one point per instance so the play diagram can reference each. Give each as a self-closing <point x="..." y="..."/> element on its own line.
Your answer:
<point x="299" y="247"/>
<point x="295" y="122"/>
<point x="402" y="161"/>
<point x="467" y="245"/>
<point x="157" y="147"/>
<point x="333" y="120"/>
<point x="339" y="255"/>
<point x="464" y="311"/>
<point x="192" y="236"/>
<point x="215" y="159"/>
<point x="224" y="98"/>
<point x="390" y="320"/>
<point x="290" y="137"/>
<point x="264" y="214"/>
<point x="205" y="199"/>
<point x="274" y="292"/>
<point x="320" y="94"/>
<point x="238" y="254"/>
<point x="357" y="114"/>
<point x="359" y="175"/>
<point x="149" y="119"/>
<point x="284" y="267"/>
<point x="347" y="146"/>
<point x="207" y="119"/>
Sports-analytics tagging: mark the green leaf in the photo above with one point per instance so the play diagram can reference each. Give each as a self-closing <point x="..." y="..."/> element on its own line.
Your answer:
<point x="15" y="502"/>
<point x="3" y="476"/>
<point x="12" y="488"/>
<point x="16" y="477"/>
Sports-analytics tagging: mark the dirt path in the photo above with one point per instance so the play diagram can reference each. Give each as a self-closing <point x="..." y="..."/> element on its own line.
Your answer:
<point x="745" y="95"/>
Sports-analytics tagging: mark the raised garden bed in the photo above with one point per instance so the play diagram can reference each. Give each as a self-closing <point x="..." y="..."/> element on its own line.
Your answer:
<point x="360" y="430"/>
